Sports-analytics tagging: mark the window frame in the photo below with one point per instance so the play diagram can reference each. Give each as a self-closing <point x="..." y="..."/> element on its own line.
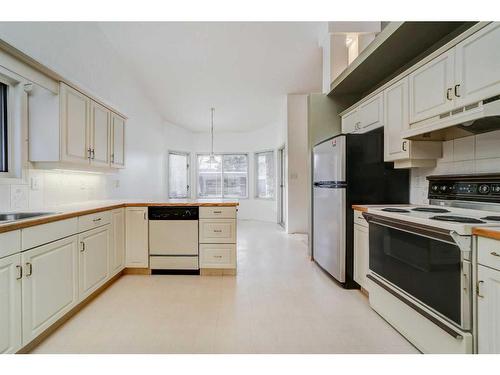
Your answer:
<point x="256" y="174"/>
<point x="188" y="179"/>
<point x="246" y="154"/>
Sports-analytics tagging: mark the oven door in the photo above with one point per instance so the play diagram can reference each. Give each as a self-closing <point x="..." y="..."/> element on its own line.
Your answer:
<point x="425" y="264"/>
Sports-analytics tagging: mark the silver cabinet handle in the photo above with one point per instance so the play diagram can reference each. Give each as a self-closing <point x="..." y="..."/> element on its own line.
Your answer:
<point x="93" y="154"/>
<point x="145" y="218"/>
<point x="112" y="158"/>
<point x="83" y="246"/>
<point x="477" y="288"/>
<point x="217" y="231"/>
<point x="96" y="220"/>
<point x="457" y="94"/>
<point x="19" y="272"/>
<point x="217" y="256"/>
<point x="403" y="145"/>
<point x="89" y="153"/>
<point x="30" y="269"/>
<point x="448" y="94"/>
<point x="217" y="212"/>
<point x="495" y="254"/>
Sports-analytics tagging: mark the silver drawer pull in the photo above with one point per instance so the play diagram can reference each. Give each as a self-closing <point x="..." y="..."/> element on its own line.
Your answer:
<point x="495" y="254"/>
<point x="217" y="230"/>
<point x="19" y="272"/>
<point x="97" y="219"/>
<point x="30" y="268"/>
<point x="217" y="256"/>
<point x="217" y="212"/>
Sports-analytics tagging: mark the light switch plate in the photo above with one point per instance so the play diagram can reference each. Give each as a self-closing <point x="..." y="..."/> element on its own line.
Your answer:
<point x="35" y="182"/>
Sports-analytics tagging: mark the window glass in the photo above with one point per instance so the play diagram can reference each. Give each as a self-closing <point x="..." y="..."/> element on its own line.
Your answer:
<point x="264" y="162"/>
<point x="178" y="175"/>
<point x="3" y="129"/>
<point x="224" y="177"/>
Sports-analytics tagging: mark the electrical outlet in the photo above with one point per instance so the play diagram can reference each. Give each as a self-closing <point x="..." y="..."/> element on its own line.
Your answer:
<point x="35" y="183"/>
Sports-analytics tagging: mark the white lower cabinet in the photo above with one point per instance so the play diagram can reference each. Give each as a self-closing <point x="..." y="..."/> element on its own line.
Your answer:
<point x="488" y="311"/>
<point x="117" y="251"/>
<point x="217" y="255"/>
<point x="49" y="285"/>
<point x="361" y="254"/>
<point x="94" y="248"/>
<point x="10" y="304"/>
<point x="136" y="237"/>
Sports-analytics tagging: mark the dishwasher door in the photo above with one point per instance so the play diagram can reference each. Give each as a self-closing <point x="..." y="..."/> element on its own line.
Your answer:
<point x="173" y="237"/>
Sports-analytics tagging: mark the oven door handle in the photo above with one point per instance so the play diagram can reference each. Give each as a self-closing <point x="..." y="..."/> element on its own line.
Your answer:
<point x="438" y="234"/>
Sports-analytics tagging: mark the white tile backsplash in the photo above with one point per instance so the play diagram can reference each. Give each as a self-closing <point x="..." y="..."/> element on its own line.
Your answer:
<point x="474" y="154"/>
<point x="50" y="188"/>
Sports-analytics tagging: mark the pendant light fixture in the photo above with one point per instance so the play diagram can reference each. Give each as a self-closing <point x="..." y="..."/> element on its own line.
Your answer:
<point x="212" y="156"/>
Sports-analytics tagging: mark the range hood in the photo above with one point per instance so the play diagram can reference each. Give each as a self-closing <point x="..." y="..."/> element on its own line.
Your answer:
<point x="475" y="118"/>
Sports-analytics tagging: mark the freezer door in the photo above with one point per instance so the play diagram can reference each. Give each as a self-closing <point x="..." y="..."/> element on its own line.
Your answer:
<point x="329" y="248"/>
<point x="329" y="160"/>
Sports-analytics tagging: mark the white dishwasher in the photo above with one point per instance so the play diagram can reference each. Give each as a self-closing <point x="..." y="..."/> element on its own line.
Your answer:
<point x="173" y="239"/>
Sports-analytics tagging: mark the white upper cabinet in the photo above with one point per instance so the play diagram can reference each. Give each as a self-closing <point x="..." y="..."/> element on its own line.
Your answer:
<point x="75" y="111"/>
<point x="396" y="121"/>
<point x="370" y="114"/>
<point x="117" y="141"/>
<point x="99" y="135"/>
<point x="87" y="133"/>
<point x="477" y="62"/>
<point x="431" y="88"/>
<point x="350" y="122"/>
<point x="10" y="304"/>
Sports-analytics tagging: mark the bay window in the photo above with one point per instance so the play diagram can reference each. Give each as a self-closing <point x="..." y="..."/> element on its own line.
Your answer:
<point x="264" y="175"/>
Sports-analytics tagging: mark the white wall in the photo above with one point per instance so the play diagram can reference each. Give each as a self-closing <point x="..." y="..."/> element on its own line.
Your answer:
<point x="298" y="164"/>
<point x="267" y="138"/>
<point x="474" y="154"/>
<point x="96" y="68"/>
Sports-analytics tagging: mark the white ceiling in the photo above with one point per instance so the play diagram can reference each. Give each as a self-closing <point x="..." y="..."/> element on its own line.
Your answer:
<point x="242" y="69"/>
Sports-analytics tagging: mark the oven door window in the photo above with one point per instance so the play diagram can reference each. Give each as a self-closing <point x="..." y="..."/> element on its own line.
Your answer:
<point x="426" y="268"/>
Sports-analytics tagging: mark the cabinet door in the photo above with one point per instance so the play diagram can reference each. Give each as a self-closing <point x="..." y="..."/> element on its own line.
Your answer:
<point x="478" y="66"/>
<point x="75" y="111"/>
<point x="350" y="122"/>
<point x="488" y="310"/>
<point x="50" y="285"/>
<point x="136" y="237"/>
<point x="118" y="141"/>
<point x="396" y="121"/>
<point x="361" y="255"/>
<point x="100" y="135"/>
<point x="431" y="88"/>
<point x="94" y="255"/>
<point x="10" y="304"/>
<point x="117" y="253"/>
<point x="370" y="114"/>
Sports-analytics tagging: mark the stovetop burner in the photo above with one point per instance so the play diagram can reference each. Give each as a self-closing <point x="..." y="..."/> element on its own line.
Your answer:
<point x="457" y="219"/>
<point x="491" y="218"/>
<point x="392" y="209"/>
<point x="431" y="209"/>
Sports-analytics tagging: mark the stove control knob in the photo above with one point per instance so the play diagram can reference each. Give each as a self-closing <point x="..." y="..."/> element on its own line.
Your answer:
<point x="484" y="189"/>
<point x="497" y="189"/>
<point x="435" y="188"/>
<point x="443" y="188"/>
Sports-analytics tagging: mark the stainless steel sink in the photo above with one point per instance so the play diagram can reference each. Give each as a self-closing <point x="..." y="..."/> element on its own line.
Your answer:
<point x="22" y="216"/>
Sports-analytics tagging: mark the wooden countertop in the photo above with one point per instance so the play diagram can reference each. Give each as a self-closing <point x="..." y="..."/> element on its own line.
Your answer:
<point x="357" y="207"/>
<point x="365" y="207"/>
<point x="91" y="208"/>
<point x="489" y="232"/>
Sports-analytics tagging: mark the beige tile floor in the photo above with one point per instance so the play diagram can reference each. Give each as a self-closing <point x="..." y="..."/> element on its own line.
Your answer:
<point x="280" y="302"/>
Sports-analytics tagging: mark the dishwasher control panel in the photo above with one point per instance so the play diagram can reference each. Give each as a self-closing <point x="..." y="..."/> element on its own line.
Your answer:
<point x="173" y="213"/>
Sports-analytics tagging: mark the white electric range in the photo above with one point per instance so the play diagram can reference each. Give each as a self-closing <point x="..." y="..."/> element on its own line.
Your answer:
<point x="422" y="260"/>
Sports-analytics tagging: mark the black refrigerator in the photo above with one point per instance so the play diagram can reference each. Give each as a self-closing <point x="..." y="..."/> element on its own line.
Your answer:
<point x="349" y="169"/>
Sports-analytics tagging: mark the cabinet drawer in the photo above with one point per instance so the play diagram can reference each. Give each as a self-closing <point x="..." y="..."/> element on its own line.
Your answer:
<point x="217" y="212"/>
<point x="45" y="233"/>
<point x="10" y="243"/>
<point x="218" y="256"/>
<point x="349" y="122"/>
<point x="217" y="231"/>
<point x="488" y="252"/>
<point x="359" y="219"/>
<point x="92" y="221"/>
